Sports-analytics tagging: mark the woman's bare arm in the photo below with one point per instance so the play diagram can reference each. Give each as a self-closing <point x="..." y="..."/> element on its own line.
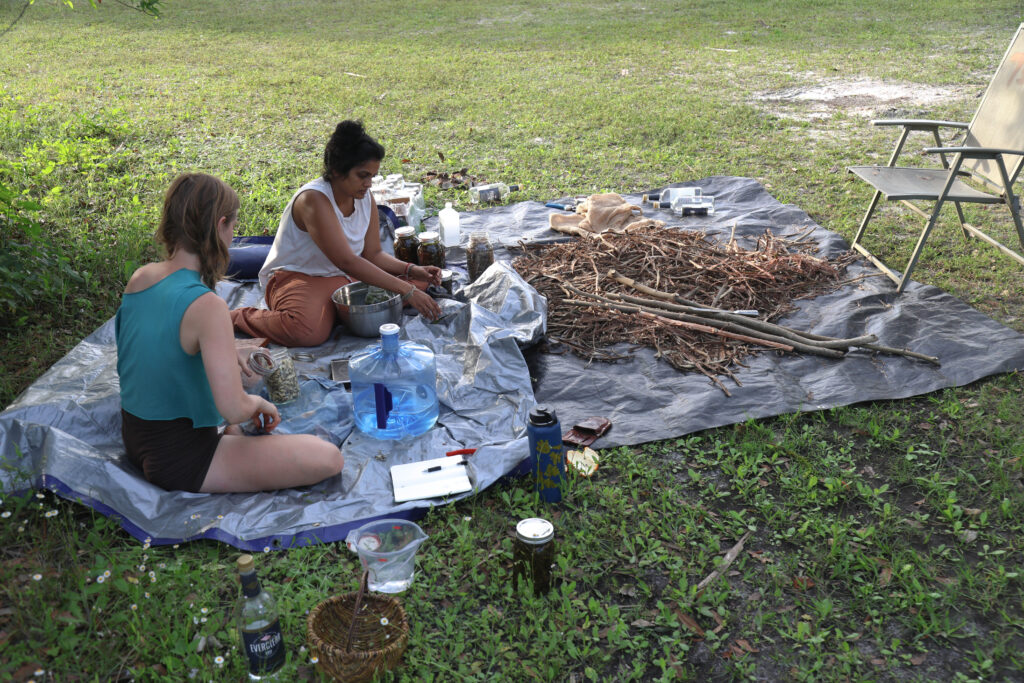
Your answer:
<point x="206" y="328"/>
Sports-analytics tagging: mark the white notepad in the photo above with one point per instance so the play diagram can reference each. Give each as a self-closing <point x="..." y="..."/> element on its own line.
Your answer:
<point x="431" y="478"/>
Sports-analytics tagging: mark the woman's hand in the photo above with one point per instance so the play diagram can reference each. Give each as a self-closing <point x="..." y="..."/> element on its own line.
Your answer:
<point x="424" y="303"/>
<point x="266" y="418"/>
<point x="248" y="376"/>
<point x="431" y="274"/>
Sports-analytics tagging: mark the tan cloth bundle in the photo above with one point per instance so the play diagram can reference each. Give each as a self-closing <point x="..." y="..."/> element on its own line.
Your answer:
<point x="600" y="213"/>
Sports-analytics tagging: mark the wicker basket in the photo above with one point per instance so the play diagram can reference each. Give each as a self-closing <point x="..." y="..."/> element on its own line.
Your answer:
<point x="355" y="635"/>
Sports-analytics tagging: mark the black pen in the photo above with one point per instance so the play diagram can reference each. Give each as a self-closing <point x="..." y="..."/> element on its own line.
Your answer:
<point x="437" y="468"/>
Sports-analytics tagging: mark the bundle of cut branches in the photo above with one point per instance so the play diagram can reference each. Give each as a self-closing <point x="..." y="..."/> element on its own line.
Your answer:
<point x="701" y="305"/>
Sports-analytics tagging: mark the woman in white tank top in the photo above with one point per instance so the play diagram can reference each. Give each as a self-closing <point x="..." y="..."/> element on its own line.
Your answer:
<point x="329" y="236"/>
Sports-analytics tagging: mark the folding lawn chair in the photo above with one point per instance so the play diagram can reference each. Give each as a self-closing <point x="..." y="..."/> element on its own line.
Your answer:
<point x="990" y="156"/>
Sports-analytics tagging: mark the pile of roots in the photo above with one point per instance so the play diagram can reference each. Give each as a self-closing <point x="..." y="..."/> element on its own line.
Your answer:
<point x="701" y="305"/>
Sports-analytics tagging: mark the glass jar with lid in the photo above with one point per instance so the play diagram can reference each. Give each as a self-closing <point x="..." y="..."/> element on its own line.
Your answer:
<point x="534" y="554"/>
<point x="479" y="254"/>
<point x="430" y="251"/>
<point x="406" y="245"/>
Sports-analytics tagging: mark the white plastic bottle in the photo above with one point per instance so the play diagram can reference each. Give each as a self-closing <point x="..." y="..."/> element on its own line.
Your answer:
<point x="448" y="218"/>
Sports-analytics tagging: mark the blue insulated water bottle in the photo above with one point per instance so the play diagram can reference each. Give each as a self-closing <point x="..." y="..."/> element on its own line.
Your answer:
<point x="546" y="453"/>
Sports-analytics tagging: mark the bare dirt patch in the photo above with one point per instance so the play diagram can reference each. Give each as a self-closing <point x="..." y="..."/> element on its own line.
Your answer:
<point x="864" y="97"/>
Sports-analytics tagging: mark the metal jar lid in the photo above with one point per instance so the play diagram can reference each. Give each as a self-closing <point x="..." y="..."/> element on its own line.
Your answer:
<point x="535" y="531"/>
<point x="428" y="236"/>
<point x="405" y="231"/>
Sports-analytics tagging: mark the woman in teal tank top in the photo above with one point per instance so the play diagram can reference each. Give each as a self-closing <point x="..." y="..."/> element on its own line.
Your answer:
<point x="179" y="372"/>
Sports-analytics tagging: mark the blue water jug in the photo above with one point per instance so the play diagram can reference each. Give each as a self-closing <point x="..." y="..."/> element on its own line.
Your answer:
<point x="546" y="453"/>
<point x="394" y="387"/>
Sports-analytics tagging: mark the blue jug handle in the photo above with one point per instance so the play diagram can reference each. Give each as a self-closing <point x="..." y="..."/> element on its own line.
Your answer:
<point x="384" y="404"/>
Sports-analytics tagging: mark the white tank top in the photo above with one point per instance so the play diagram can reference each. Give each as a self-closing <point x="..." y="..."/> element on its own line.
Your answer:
<point x="294" y="249"/>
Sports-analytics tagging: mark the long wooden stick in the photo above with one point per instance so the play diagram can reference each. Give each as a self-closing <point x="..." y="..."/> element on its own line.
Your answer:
<point x="738" y="331"/>
<point x="729" y="558"/>
<point x="865" y="342"/>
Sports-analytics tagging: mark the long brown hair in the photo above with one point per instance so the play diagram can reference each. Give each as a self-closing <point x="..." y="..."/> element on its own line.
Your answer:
<point x="193" y="205"/>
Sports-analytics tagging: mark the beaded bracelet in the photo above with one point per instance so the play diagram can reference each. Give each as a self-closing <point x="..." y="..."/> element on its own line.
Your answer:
<point x="407" y="295"/>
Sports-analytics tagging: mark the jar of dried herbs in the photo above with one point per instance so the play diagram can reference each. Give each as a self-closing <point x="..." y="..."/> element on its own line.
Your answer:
<point x="406" y="246"/>
<point x="479" y="254"/>
<point x="430" y="252"/>
<point x="533" y="554"/>
<point x="278" y="372"/>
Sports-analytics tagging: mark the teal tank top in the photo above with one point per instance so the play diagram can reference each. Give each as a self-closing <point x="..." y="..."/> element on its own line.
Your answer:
<point x="159" y="381"/>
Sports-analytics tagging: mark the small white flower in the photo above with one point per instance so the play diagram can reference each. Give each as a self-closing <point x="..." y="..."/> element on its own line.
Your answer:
<point x="51" y="513"/>
<point x="106" y="573"/>
<point x="37" y="577"/>
<point x="162" y="565"/>
<point x="100" y="578"/>
<point x="134" y="607"/>
<point x="266" y="548"/>
<point x="384" y="621"/>
<point x="39" y="672"/>
<point x="205" y="610"/>
<point x="20" y="529"/>
<point x="175" y="546"/>
<point x="146" y="594"/>
<point x="218" y="660"/>
<point x="152" y="574"/>
<point x="220" y="516"/>
<point x="39" y="495"/>
<point x="5" y="514"/>
<point x="203" y="620"/>
<point x="195" y="620"/>
<point x="314" y="660"/>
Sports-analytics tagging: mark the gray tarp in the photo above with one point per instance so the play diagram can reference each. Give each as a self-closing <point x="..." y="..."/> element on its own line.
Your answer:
<point x="63" y="432"/>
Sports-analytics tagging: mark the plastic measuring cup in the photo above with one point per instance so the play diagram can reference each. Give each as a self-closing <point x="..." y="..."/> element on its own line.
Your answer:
<point x="387" y="550"/>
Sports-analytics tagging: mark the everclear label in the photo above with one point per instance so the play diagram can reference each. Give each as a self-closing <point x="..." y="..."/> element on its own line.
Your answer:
<point x="264" y="648"/>
<point x="490" y="195"/>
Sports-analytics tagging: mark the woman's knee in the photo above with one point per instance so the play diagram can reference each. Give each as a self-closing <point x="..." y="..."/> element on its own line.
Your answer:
<point x="298" y="331"/>
<point x="326" y="457"/>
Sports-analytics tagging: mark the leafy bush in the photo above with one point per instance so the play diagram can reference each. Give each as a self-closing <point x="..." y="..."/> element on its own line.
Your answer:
<point x="32" y="268"/>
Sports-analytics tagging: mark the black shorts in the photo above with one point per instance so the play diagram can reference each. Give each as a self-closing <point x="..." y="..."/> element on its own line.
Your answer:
<point x="172" y="454"/>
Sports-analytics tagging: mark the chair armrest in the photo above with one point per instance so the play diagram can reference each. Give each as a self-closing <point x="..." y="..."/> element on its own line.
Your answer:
<point x="974" y="152"/>
<point x="919" y="124"/>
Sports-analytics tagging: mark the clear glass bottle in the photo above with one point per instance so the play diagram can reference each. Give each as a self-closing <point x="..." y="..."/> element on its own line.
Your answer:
<point x="491" y="192"/>
<point x="479" y="254"/>
<point x="394" y="387"/>
<point x="258" y="625"/>
<point x="430" y="252"/>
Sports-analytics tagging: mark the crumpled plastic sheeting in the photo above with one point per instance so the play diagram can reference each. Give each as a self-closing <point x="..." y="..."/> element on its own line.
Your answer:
<point x="63" y="432"/>
<point x="648" y="400"/>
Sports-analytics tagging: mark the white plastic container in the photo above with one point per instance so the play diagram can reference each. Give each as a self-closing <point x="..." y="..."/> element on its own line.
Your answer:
<point x="448" y="219"/>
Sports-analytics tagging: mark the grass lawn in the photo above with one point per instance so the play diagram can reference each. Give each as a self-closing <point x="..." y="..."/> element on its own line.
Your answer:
<point x="885" y="539"/>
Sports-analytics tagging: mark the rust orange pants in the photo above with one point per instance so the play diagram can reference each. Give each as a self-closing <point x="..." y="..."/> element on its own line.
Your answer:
<point x="301" y="311"/>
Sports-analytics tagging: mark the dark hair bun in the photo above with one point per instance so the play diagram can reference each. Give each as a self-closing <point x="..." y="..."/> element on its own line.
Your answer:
<point x="349" y="129"/>
<point x="348" y="147"/>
